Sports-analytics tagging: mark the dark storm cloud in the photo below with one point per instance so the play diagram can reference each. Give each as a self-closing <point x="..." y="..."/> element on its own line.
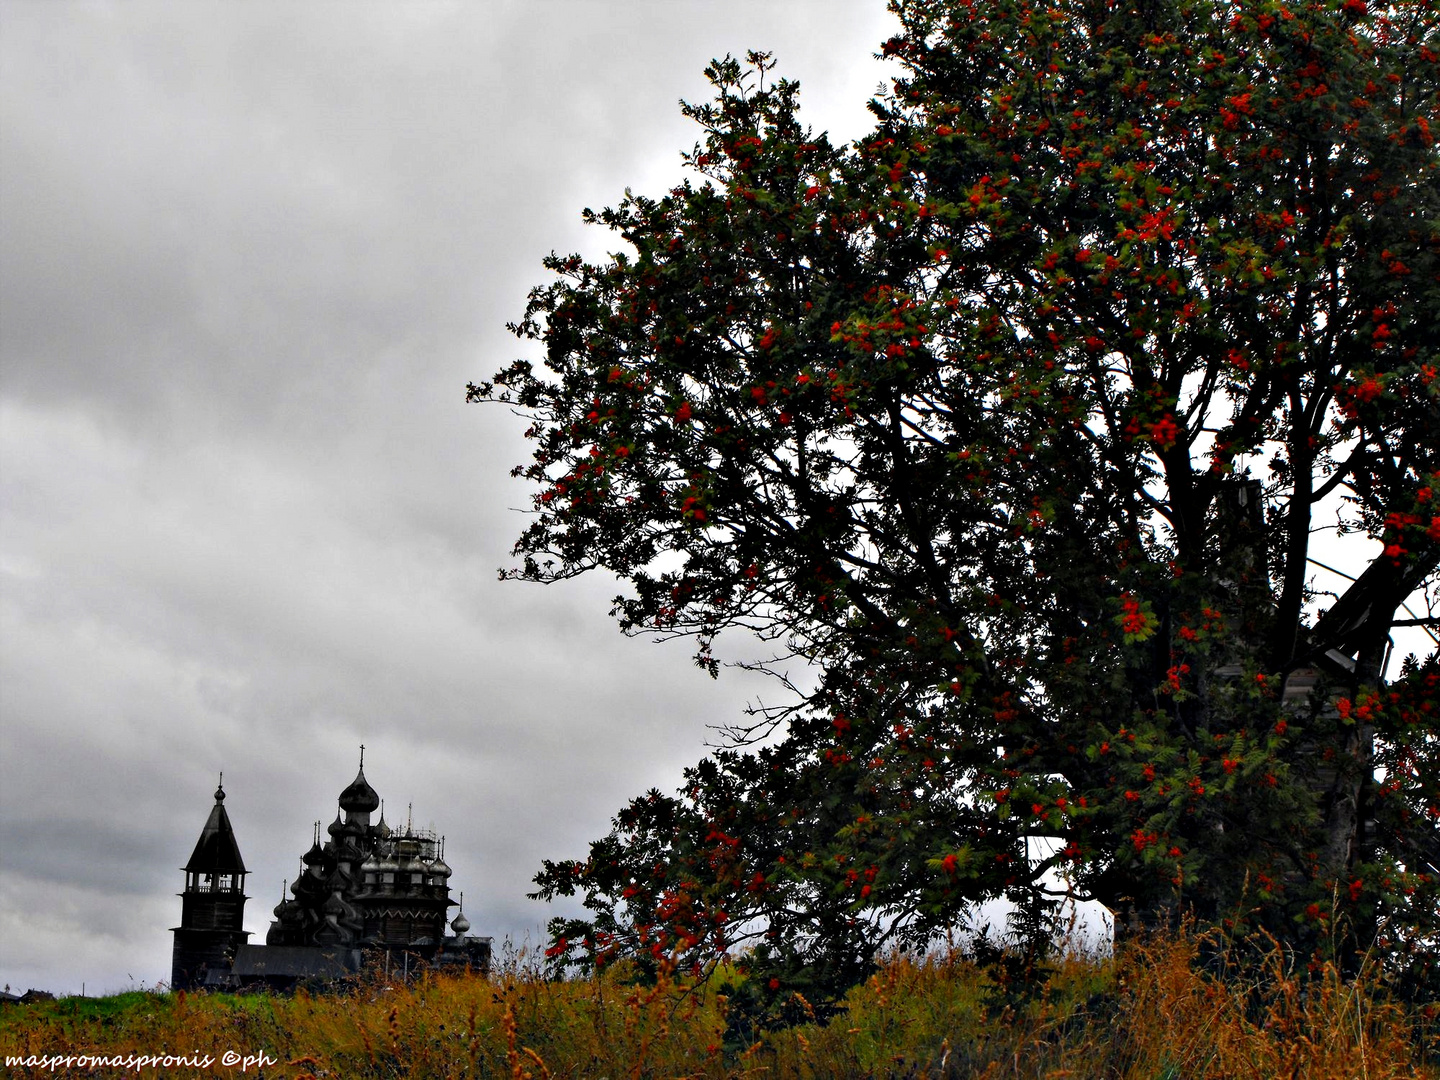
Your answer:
<point x="251" y="255"/>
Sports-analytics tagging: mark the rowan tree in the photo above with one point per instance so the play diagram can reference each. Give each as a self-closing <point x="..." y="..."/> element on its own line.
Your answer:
<point x="1016" y="426"/>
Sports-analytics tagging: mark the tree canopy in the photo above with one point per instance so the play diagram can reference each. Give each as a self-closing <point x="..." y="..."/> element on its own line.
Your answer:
<point x="1019" y="426"/>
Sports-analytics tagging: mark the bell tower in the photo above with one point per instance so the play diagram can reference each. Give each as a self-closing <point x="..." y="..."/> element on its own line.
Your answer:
<point x="212" y="910"/>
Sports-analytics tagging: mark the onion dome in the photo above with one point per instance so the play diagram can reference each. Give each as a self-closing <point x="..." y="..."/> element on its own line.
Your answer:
<point x="460" y="924"/>
<point x="348" y="851"/>
<point x="336" y="827"/>
<point x="441" y="867"/>
<point x="338" y="880"/>
<point x="359" y="797"/>
<point x="378" y="859"/>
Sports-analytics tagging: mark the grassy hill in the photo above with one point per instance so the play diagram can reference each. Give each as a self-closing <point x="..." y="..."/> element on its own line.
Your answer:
<point x="1151" y="1013"/>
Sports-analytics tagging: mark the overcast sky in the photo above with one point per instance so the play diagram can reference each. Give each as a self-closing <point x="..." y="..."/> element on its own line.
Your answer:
<point x="252" y="253"/>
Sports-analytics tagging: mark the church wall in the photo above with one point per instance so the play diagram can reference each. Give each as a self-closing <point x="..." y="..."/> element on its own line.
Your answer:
<point x="199" y="951"/>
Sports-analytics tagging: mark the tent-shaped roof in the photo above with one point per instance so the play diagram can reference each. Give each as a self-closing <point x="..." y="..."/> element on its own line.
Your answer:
<point x="216" y="851"/>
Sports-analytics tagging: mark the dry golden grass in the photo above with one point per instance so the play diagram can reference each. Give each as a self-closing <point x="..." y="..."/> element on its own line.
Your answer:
<point x="1150" y="1013"/>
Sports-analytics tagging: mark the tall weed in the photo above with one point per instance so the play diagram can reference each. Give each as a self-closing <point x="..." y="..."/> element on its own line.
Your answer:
<point x="1159" y="1008"/>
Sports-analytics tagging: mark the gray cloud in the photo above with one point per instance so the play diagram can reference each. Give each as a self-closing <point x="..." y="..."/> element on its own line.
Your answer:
<point x="251" y="255"/>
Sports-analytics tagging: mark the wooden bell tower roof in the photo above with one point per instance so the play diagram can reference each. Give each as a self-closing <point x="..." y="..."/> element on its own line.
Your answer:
<point x="216" y="851"/>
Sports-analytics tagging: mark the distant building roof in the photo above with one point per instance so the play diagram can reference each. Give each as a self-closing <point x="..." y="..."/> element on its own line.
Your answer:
<point x="216" y="850"/>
